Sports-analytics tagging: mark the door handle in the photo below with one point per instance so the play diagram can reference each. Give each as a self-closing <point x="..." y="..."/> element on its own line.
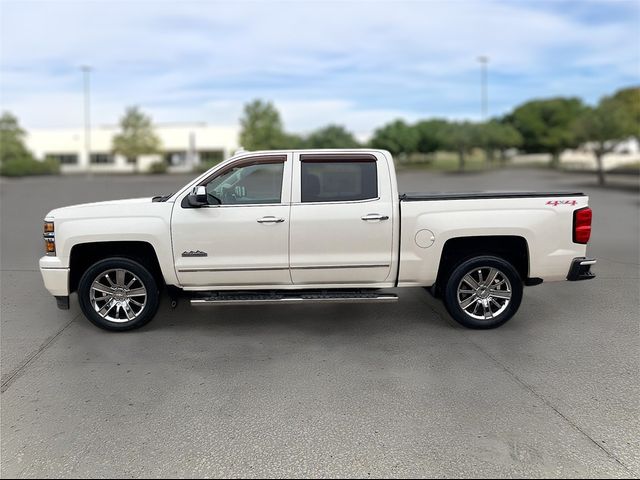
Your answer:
<point x="374" y="216"/>
<point x="270" y="220"/>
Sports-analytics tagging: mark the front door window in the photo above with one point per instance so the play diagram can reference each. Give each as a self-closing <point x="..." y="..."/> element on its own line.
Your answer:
<point x="247" y="184"/>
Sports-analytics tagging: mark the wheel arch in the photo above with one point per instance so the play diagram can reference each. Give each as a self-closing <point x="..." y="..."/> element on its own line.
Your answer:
<point x="512" y="248"/>
<point x="83" y="255"/>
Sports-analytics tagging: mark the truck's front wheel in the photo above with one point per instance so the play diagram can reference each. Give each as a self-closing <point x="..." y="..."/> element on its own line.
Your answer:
<point x="483" y="292"/>
<point x="118" y="294"/>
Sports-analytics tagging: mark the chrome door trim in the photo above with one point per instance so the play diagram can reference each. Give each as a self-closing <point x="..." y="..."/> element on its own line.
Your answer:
<point x="319" y="267"/>
<point x="235" y="269"/>
<point x="249" y="269"/>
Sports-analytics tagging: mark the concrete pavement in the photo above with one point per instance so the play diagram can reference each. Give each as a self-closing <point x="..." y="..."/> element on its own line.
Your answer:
<point x="323" y="390"/>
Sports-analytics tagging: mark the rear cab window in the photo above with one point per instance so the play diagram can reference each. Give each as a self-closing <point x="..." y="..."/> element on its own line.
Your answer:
<point x="338" y="178"/>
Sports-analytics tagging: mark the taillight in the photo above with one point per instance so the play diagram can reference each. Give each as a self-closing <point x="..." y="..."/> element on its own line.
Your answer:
<point x="582" y="225"/>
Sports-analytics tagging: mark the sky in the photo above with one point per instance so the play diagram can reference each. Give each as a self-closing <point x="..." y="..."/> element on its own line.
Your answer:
<point x="357" y="64"/>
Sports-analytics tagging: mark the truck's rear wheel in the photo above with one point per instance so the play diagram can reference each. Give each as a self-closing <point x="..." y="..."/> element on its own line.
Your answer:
<point x="118" y="294"/>
<point x="483" y="292"/>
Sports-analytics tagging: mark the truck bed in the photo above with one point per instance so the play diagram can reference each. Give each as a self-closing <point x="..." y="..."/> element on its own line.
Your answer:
<point x="543" y="220"/>
<point x="420" y="197"/>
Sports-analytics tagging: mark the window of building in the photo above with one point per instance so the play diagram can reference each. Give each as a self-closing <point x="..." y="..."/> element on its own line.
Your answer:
<point x="211" y="156"/>
<point x="175" y="158"/>
<point x="64" y="158"/>
<point x="326" y="179"/>
<point x="101" y="158"/>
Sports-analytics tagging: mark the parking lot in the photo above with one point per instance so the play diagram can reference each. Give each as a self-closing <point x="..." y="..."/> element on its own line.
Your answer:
<point x="324" y="390"/>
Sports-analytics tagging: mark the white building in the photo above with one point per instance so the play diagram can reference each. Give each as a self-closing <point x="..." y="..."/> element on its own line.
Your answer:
<point x="183" y="146"/>
<point x="624" y="153"/>
<point x="583" y="158"/>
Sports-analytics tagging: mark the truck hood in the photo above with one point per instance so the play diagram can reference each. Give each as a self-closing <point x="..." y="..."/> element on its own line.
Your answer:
<point x="85" y="209"/>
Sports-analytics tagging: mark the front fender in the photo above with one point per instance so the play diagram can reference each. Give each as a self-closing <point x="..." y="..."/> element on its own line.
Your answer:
<point x="153" y="230"/>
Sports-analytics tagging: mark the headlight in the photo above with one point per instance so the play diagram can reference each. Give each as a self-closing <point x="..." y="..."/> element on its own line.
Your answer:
<point x="49" y="238"/>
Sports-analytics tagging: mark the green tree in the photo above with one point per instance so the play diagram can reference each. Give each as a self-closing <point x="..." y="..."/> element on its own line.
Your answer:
<point x="15" y="159"/>
<point x="496" y="136"/>
<point x="261" y="127"/>
<point x="397" y="137"/>
<point x="293" y="141"/>
<point x="12" y="139"/>
<point x="460" y="137"/>
<point x="548" y="125"/>
<point x="431" y="135"/>
<point x="629" y="101"/>
<point x="332" y="136"/>
<point x="605" y="126"/>
<point x="137" y="136"/>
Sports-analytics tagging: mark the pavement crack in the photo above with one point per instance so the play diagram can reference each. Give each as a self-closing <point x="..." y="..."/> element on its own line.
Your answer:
<point x="19" y="370"/>
<point x="551" y="406"/>
<point x="528" y="387"/>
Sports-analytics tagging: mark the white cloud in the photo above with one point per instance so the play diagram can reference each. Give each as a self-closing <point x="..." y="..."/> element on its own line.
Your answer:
<point x="355" y="63"/>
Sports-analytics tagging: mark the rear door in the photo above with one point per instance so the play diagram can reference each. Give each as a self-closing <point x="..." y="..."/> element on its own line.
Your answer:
<point x="341" y="228"/>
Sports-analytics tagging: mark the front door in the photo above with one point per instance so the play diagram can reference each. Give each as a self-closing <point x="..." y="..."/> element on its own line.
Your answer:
<point x="242" y="237"/>
<point x="341" y="219"/>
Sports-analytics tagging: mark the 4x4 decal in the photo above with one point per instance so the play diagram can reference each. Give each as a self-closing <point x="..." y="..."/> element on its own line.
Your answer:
<point x="555" y="203"/>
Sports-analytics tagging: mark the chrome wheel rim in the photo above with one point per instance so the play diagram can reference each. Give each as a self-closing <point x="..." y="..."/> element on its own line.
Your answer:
<point x="484" y="293"/>
<point x="118" y="295"/>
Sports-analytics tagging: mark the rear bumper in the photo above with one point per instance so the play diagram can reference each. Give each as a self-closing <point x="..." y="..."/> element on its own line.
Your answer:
<point x="581" y="269"/>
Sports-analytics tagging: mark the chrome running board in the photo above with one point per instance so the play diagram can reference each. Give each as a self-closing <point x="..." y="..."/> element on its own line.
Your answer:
<point x="283" y="298"/>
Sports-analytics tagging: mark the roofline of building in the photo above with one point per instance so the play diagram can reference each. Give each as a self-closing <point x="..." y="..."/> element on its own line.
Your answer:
<point x="155" y="125"/>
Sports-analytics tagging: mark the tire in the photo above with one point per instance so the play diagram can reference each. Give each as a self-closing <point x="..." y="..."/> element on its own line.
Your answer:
<point x="118" y="294"/>
<point x="472" y="303"/>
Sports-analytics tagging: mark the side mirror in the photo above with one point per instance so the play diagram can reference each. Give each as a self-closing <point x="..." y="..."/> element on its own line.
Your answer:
<point x="198" y="196"/>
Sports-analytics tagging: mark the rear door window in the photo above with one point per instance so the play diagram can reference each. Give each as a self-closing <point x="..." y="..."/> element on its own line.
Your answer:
<point x="338" y="180"/>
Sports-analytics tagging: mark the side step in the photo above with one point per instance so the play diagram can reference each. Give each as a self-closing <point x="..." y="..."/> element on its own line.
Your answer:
<point x="285" y="297"/>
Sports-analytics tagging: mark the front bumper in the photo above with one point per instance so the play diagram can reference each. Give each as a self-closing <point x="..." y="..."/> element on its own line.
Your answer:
<point x="581" y="269"/>
<point x="55" y="276"/>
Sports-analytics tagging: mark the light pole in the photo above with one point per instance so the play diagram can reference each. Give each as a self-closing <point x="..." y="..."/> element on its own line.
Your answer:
<point x="86" y="71"/>
<point x="484" y="60"/>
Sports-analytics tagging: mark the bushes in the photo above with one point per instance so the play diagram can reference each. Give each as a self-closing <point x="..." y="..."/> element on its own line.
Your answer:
<point x="20" y="167"/>
<point x="15" y="159"/>
<point x="158" y="167"/>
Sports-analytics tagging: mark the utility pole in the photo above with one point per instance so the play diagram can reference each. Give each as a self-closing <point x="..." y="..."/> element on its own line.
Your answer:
<point x="86" y="71"/>
<point x="484" y="60"/>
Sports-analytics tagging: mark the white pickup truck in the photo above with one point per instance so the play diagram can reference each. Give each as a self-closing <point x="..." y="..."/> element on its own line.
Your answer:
<point x="278" y="227"/>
